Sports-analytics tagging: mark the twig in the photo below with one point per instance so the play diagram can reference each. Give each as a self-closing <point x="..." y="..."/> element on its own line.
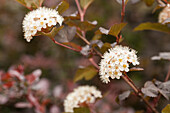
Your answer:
<point x="64" y="45"/>
<point x="94" y="63"/>
<point x="83" y="38"/>
<point x="156" y="100"/>
<point x="122" y="19"/>
<point x="88" y="43"/>
<point x="131" y="84"/>
<point x="80" y="10"/>
<point x="167" y="76"/>
<point x="123" y="11"/>
<point x="40" y="3"/>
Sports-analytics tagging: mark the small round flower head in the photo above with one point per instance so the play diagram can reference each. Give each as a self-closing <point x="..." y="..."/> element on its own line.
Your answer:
<point x="38" y="20"/>
<point x="164" y="14"/>
<point x="81" y="95"/>
<point x="115" y="61"/>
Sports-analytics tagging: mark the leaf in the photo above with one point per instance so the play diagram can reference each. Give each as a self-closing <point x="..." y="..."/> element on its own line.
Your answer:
<point x="103" y="30"/>
<point x="136" y="69"/>
<point x="81" y="110"/>
<point x="96" y="43"/>
<point x="116" y="28"/>
<point x="62" y="6"/>
<point x="66" y="34"/>
<point x="164" y="93"/>
<point x="150" y="89"/>
<point x="165" y="85"/>
<point x="85" y="25"/>
<point x="152" y="26"/>
<point x="166" y="109"/>
<point x="87" y="73"/>
<point x="53" y="32"/>
<point x="85" y="3"/>
<point x="31" y="4"/>
<point x="97" y="35"/>
<point x="105" y="47"/>
<point x="164" y="88"/>
<point x="85" y="50"/>
<point x="34" y="77"/>
<point x="124" y="95"/>
<point x="149" y="2"/>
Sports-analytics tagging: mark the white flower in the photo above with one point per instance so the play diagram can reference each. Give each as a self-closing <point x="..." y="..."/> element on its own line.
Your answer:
<point x="164" y="14"/>
<point x="116" y="61"/>
<point x="81" y="95"/>
<point x="38" y="20"/>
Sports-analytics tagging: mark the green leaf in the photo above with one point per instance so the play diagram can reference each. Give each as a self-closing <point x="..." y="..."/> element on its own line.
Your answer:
<point x="88" y="73"/>
<point x="97" y="35"/>
<point x="149" y="2"/>
<point x="81" y="110"/>
<point x="166" y="109"/>
<point x="116" y="28"/>
<point x="53" y="32"/>
<point x="85" y="3"/>
<point x="153" y="26"/>
<point x="86" y="26"/>
<point x="105" y="47"/>
<point x="62" y="6"/>
<point x="31" y="4"/>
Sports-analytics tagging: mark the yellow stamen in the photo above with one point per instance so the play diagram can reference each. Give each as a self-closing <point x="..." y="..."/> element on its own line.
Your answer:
<point x="124" y="65"/>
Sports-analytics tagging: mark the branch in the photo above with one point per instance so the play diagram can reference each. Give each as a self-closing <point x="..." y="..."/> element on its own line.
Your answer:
<point x="156" y="100"/>
<point x="122" y="19"/>
<point x="64" y="45"/>
<point x="137" y="91"/>
<point x="94" y="63"/>
<point x="83" y="38"/>
<point x="88" y="43"/>
<point x="123" y="11"/>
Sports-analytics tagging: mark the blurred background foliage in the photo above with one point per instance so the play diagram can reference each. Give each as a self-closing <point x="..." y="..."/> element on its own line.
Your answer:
<point x="59" y="64"/>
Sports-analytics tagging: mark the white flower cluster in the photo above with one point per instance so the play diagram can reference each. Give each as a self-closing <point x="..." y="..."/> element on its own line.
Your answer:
<point x="38" y="20"/>
<point x="116" y="61"/>
<point x="81" y="95"/>
<point x="164" y="14"/>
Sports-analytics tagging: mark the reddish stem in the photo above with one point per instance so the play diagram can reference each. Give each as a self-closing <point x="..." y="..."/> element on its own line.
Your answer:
<point x="137" y="91"/>
<point x="64" y="45"/>
<point x="123" y="11"/>
<point x="94" y="63"/>
<point x="156" y="100"/>
<point x="122" y="19"/>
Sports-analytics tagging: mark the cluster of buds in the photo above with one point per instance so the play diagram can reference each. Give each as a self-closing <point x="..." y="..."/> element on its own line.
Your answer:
<point x="82" y="95"/>
<point x="116" y="61"/>
<point x="39" y="20"/>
